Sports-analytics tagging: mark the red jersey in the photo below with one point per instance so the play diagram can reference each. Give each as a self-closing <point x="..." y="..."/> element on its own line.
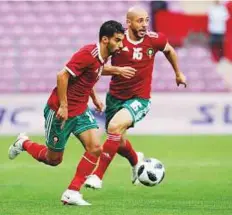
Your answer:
<point x="85" y="68"/>
<point x="140" y="56"/>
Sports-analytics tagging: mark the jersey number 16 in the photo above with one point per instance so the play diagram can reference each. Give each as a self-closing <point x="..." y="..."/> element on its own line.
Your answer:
<point x="137" y="54"/>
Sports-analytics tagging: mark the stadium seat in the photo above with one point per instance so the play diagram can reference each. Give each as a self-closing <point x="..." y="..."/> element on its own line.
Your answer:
<point x="37" y="39"/>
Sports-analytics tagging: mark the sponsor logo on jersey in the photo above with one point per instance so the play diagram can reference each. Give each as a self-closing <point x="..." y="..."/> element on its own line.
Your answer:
<point x="125" y="49"/>
<point x="150" y="52"/>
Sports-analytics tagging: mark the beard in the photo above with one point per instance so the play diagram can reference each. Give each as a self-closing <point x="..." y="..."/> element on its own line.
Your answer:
<point x="136" y="33"/>
<point x="111" y="51"/>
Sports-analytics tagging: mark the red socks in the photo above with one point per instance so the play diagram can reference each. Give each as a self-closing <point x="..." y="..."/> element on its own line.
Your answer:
<point x="89" y="161"/>
<point x="37" y="151"/>
<point x="84" y="168"/>
<point x="110" y="148"/>
<point x="129" y="153"/>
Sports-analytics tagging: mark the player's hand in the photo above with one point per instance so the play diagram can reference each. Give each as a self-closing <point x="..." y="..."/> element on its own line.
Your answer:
<point x="127" y="72"/>
<point x="62" y="114"/>
<point x="98" y="104"/>
<point x="181" y="79"/>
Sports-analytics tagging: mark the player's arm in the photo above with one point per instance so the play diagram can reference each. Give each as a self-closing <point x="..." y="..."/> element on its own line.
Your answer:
<point x="97" y="101"/>
<point x="126" y="71"/>
<point x="171" y="55"/>
<point x="62" y="85"/>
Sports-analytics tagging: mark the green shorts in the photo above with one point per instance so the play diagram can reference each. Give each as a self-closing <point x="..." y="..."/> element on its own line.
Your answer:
<point x="137" y="107"/>
<point x="56" y="138"/>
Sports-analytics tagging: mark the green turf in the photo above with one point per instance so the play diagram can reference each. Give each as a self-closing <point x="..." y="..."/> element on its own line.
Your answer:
<point x="198" y="180"/>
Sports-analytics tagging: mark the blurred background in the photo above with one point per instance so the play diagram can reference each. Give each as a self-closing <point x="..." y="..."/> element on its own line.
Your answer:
<point x="37" y="38"/>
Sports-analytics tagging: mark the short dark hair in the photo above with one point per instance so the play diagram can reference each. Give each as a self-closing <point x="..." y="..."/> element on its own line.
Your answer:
<point x="109" y="28"/>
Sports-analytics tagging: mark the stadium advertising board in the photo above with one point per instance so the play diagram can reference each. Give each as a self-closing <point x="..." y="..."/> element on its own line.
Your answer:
<point x="169" y="114"/>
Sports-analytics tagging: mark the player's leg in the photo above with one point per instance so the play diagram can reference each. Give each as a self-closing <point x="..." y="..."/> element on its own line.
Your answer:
<point x="126" y="150"/>
<point x="133" y="111"/>
<point x="85" y="167"/>
<point x="38" y="151"/>
<point x="56" y="139"/>
<point x="91" y="141"/>
<point x="86" y="130"/>
<point x="120" y="115"/>
<point x="113" y="105"/>
<point x="117" y="126"/>
<point x="138" y="109"/>
<point x="114" y="115"/>
<point x="42" y="153"/>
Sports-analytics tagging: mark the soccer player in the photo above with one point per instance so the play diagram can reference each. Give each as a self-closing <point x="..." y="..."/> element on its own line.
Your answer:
<point x="67" y="111"/>
<point x="128" y="101"/>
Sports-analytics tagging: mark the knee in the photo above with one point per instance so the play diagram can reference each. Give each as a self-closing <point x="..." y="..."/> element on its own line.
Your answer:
<point x="114" y="128"/>
<point x="55" y="162"/>
<point x="94" y="149"/>
<point x="122" y="142"/>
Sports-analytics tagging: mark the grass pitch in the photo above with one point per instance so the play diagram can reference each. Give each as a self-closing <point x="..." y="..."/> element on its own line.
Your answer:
<point x="198" y="180"/>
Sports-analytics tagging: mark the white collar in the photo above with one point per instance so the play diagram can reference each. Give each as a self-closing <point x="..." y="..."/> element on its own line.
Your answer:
<point x="131" y="41"/>
<point x="99" y="53"/>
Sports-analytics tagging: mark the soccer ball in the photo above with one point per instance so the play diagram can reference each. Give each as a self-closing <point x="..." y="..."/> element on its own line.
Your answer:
<point x="150" y="172"/>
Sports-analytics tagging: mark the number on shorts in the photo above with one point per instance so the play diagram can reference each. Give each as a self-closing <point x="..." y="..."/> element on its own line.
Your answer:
<point x="136" y="105"/>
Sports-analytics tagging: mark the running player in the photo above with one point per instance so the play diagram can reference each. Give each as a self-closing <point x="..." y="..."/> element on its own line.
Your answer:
<point x="128" y="101"/>
<point x="67" y="110"/>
